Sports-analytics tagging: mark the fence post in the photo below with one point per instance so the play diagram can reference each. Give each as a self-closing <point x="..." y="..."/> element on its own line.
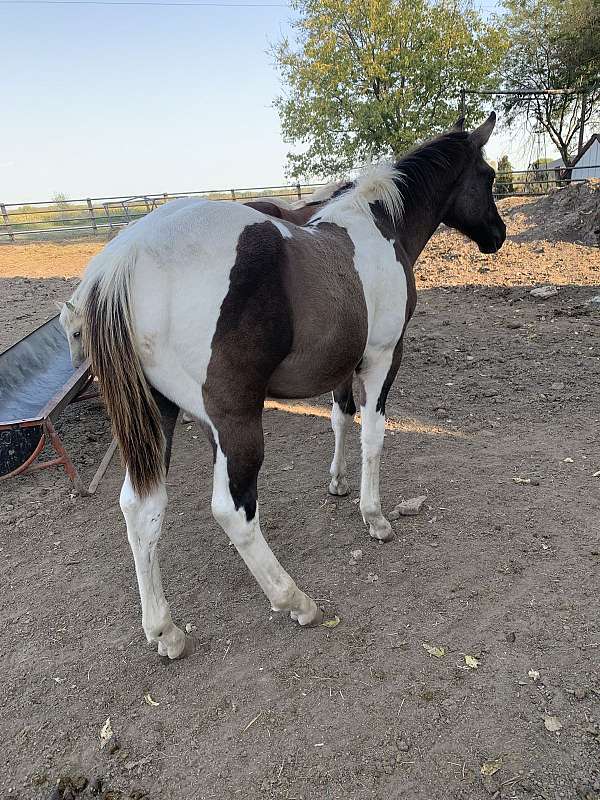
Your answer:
<point x="92" y="215"/>
<point x="166" y="196"/>
<point x="108" y="218"/>
<point x="299" y="191"/>
<point x="233" y="195"/>
<point x="11" y="235"/>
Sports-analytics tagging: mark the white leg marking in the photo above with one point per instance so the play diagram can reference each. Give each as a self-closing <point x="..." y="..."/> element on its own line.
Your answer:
<point x="144" y="517"/>
<point x="247" y="537"/>
<point x="340" y="423"/>
<point x="372" y="433"/>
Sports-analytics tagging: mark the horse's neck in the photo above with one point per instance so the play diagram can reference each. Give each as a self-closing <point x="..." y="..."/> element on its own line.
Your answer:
<point x="422" y="215"/>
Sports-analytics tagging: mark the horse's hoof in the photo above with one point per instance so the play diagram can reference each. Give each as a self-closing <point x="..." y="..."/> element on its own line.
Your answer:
<point x="315" y="621"/>
<point x="381" y="530"/>
<point x="339" y="487"/>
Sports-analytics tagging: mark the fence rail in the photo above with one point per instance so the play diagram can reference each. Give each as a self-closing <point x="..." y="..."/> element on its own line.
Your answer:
<point x="95" y="215"/>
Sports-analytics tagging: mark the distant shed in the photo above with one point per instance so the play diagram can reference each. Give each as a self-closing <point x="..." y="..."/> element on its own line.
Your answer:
<point x="587" y="164"/>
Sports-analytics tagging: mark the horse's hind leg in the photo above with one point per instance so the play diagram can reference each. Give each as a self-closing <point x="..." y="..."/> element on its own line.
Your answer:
<point x="144" y="517"/>
<point x="342" y="416"/>
<point x="238" y="458"/>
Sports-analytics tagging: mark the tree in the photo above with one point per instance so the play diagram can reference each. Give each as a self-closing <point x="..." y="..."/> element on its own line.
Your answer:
<point x="554" y="44"/>
<point x="60" y="198"/>
<point x="504" y="176"/>
<point x="370" y="78"/>
<point x="538" y="176"/>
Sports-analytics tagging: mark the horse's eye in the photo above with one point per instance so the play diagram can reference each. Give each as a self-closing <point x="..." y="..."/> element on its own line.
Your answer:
<point x="77" y="334"/>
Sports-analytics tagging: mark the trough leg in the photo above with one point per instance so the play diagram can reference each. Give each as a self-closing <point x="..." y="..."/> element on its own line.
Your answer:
<point x="64" y="458"/>
<point x="235" y="508"/>
<point x="342" y="417"/>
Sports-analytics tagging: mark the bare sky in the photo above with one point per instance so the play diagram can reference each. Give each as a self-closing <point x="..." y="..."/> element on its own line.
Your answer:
<point x="108" y="100"/>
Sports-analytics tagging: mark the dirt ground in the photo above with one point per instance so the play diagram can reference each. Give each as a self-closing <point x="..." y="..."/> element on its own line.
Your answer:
<point x="495" y="385"/>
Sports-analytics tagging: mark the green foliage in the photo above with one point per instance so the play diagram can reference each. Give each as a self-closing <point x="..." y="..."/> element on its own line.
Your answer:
<point x="538" y="176"/>
<point x="60" y="198"/>
<point x="370" y="78"/>
<point x="504" y="177"/>
<point x="554" y="44"/>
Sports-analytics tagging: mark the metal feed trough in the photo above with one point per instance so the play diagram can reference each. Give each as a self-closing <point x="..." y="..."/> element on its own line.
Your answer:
<point x="37" y="381"/>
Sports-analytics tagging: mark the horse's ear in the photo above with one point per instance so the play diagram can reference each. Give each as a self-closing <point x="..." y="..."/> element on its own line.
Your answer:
<point x="480" y="135"/>
<point x="70" y="306"/>
<point x="459" y="125"/>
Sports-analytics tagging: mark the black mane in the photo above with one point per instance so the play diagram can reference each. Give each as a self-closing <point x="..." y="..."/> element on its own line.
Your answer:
<point x="420" y="168"/>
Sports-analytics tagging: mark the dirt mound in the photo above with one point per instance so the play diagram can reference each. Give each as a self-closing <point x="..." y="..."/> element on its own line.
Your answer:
<point x="569" y="214"/>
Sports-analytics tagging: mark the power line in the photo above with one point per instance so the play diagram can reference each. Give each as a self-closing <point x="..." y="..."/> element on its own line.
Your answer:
<point x="139" y="3"/>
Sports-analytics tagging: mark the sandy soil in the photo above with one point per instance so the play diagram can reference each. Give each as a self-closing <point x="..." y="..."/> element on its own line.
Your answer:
<point x="495" y="386"/>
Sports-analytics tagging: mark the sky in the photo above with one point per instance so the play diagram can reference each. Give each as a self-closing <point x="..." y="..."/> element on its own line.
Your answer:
<point x="120" y="101"/>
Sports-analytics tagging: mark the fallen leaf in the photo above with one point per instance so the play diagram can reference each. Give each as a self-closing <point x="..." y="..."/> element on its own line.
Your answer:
<point x="150" y="700"/>
<point x="372" y="577"/>
<point x="471" y="662"/>
<point x="552" y="723"/>
<point x="533" y="673"/>
<point x="106" y="733"/>
<point x="567" y="460"/>
<point x="596" y="474"/>
<point x="491" y="767"/>
<point x="438" y="652"/>
<point x="522" y="480"/>
<point x="331" y="623"/>
<point x="288" y="467"/>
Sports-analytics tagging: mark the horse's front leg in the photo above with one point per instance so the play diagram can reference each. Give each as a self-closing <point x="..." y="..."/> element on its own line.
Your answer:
<point x="376" y="375"/>
<point x="342" y="417"/>
<point x="144" y="517"/>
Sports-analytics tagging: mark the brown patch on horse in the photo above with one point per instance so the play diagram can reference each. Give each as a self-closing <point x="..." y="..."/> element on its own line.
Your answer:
<point x="134" y="414"/>
<point x="293" y="324"/>
<point x="298" y="216"/>
<point x="329" y="313"/>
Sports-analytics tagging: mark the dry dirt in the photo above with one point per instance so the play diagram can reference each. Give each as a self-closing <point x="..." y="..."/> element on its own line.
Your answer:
<point x="495" y="386"/>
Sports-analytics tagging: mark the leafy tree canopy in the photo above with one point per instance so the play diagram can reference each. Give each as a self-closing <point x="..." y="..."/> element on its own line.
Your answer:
<point x="369" y="78"/>
<point x="554" y="44"/>
<point x="504" y="176"/>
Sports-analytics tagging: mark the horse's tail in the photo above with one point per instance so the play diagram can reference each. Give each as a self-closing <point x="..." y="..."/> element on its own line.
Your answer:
<point x="109" y="342"/>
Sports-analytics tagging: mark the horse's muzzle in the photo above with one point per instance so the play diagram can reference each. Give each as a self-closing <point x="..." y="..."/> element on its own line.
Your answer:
<point x="496" y="239"/>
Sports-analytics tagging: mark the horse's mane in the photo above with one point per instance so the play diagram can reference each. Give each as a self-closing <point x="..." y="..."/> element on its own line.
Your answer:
<point x="411" y="179"/>
<point x="420" y="168"/>
<point x="378" y="184"/>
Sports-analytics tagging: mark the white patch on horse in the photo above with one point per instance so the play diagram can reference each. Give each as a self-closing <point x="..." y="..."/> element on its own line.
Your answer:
<point x="285" y="232"/>
<point x="340" y="423"/>
<point x="144" y="519"/>
<point x="247" y="537"/>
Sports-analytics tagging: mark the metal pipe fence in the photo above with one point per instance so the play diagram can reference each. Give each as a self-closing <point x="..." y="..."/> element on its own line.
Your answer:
<point x="101" y="214"/>
<point x="91" y="216"/>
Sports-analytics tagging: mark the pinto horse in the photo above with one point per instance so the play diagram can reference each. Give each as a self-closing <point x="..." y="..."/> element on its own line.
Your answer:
<point x="213" y="306"/>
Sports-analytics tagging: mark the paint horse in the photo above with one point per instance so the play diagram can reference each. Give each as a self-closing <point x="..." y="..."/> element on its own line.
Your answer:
<point x="213" y="306"/>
